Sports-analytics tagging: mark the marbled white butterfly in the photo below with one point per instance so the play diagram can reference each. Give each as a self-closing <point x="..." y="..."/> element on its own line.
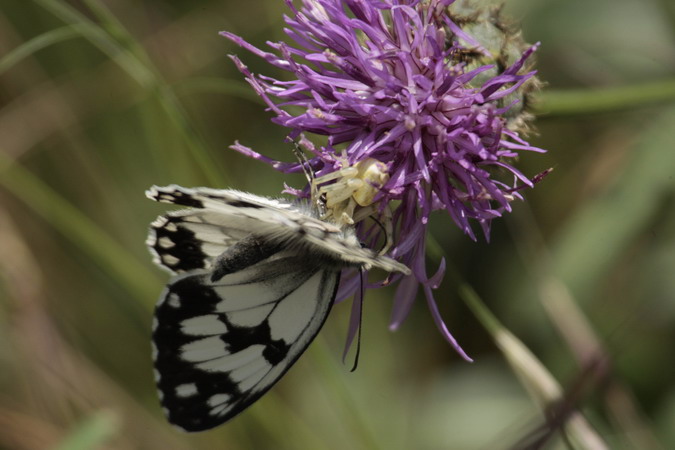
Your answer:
<point x="254" y="280"/>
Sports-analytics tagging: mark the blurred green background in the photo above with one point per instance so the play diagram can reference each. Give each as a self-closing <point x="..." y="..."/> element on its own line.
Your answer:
<point x="101" y="99"/>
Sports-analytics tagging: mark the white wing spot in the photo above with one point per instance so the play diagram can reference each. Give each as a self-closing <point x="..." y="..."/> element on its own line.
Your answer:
<point x="220" y="410"/>
<point x="203" y="349"/>
<point x="159" y="222"/>
<point x="218" y="400"/>
<point x="207" y="325"/>
<point x="186" y="390"/>
<point x="244" y="296"/>
<point x="250" y="317"/>
<point x="165" y="242"/>
<point x="157" y="375"/>
<point x="233" y="361"/>
<point x="174" y="300"/>
<point x="169" y="259"/>
<point x="250" y="376"/>
<point x="246" y="373"/>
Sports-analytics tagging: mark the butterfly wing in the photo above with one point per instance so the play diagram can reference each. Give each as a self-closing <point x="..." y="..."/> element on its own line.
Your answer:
<point x="193" y="238"/>
<point x="220" y="345"/>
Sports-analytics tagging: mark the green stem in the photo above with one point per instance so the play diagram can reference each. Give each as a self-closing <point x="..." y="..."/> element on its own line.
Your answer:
<point x="600" y="100"/>
<point x="483" y="314"/>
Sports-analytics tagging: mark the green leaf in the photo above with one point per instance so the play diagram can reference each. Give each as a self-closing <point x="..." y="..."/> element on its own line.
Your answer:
<point x="38" y="43"/>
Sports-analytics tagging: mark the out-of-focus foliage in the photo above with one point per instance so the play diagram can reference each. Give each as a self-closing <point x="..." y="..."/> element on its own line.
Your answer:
<point x="101" y="99"/>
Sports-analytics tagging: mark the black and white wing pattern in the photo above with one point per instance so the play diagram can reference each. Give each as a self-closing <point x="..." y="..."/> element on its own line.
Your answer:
<point x="254" y="281"/>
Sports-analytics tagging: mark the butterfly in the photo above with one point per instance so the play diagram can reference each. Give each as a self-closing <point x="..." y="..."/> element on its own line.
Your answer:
<point x="254" y="279"/>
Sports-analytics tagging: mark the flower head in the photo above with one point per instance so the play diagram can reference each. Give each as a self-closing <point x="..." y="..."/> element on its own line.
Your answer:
<point x="402" y="83"/>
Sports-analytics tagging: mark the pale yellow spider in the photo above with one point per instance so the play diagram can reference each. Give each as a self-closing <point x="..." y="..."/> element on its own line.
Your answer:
<point x="350" y="198"/>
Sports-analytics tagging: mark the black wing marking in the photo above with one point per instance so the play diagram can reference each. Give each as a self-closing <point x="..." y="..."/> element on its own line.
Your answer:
<point x="221" y="345"/>
<point x="182" y="241"/>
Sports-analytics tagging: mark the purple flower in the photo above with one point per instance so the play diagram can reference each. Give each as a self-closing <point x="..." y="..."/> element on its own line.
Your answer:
<point x="402" y="84"/>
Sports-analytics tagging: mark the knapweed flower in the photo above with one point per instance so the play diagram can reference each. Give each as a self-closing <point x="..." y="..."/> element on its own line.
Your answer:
<point x="434" y="92"/>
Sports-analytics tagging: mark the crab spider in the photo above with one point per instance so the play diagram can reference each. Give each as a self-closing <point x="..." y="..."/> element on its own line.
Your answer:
<point x="355" y="186"/>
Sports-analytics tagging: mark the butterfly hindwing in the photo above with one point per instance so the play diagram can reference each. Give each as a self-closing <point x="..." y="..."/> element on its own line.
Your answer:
<point x="220" y="345"/>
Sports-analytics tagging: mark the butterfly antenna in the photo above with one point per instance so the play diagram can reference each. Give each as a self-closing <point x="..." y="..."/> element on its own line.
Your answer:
<point x="318" y="201"/>
<point x="304" y="162"/>
<point x="358" y="338"/>
<point x="385" y="247"/>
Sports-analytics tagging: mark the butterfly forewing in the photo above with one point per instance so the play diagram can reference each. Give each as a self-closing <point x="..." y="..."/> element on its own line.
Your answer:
<point x="221" y="217"/>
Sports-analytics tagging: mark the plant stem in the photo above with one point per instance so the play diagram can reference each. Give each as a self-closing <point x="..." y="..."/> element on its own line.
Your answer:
<point x="601" y="100"/>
